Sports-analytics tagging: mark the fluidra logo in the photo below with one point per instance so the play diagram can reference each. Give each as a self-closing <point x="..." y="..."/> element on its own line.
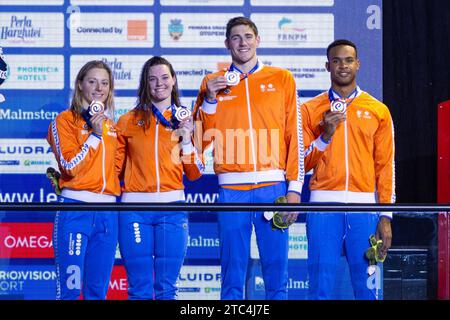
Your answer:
<point x="3" y="72"/>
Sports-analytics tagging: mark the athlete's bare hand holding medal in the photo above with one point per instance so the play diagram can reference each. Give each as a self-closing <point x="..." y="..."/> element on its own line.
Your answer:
<point x="185" y="130"/>
<point x="213" y="86"/>
<point x="97" y="117"/>
<point x="331" y="120"/>
<point x="97" y="121"/>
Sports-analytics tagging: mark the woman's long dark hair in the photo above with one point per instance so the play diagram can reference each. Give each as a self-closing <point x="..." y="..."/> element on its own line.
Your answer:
<point x="144" y="103"/>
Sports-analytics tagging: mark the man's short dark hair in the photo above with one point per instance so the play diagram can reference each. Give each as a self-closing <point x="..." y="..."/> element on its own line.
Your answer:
<point x="341" y="42"/>
<point x="236" y="21"/>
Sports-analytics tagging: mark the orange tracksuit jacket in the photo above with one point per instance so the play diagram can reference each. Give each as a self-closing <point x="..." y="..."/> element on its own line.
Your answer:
<point x="255" y="127"/>
<point x="86" y="162"/>
<point x="358" y="164"/>
<point x="151" y="160"/>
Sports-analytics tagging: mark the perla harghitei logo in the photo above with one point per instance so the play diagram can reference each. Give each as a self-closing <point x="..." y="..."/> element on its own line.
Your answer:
<point x="118" y="69"/>
<point x="3" y="72"/>
<point x="20" y="28"/>
<point x="176" y="29"/>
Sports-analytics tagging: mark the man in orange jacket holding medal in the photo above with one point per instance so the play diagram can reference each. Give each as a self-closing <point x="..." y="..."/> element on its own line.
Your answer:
<point x="349" y="142"/>
<point x="250" y="114"/>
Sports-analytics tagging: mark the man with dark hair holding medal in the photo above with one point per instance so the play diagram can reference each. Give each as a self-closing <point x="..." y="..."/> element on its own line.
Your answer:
<point x="349" y="142"/>
<point x="250" y="110"/>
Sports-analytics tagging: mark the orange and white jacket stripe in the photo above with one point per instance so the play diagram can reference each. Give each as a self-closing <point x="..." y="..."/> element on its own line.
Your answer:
<point x="255" y="128"/>
<point x="86" y="162"/>
<point x="151" y="161"/>
<point x="357" y="166"/>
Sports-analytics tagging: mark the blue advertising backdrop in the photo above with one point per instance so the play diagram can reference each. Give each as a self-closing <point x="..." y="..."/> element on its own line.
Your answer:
<point x="45" y="42"/>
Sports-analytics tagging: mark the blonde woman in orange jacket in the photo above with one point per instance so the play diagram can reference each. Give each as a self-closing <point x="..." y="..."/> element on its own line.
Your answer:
<point x="85" y="241"/>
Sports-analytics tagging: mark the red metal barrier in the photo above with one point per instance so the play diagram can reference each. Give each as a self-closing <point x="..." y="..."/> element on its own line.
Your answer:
<point x="443" y="192"/>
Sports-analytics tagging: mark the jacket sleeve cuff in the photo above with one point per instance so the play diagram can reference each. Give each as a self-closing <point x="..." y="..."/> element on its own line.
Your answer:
<point x="321" y="144"/>
<point x="295" y="186"/>
<point x="209" y="107"/>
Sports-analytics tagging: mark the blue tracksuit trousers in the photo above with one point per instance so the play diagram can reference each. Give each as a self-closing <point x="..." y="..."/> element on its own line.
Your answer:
<point x="153" y="246"/>
<point x="329" y="234"/>
<point x="235" y="229"/>
<point x="85" y="245"/>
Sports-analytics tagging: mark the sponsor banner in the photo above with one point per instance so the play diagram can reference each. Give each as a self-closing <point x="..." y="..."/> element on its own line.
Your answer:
<point x="25" y="156"/>
<point x="112" y="2"/>
<point x="191" y="69"/>
<point x="29" y="114"/>
<point x="195" y="282"/>
<point x="294" y="30"/>
<point x="26" y="188"/>
<point x="31" y="29"/>
<point x="118" y="284"/>
<point x="27" y="282"/>
<point x="126" y="68"/>
<point x="38" y="282"/>
<point x="35" y="72"/>
<point x="199" y="283"/>
<point x="205" y="3"/>
<point x="298" y="243"/>
<point x="29" y="2"/>
<point x="26" y="240"/>
<point x="296" y="3"/>
<point x="44" y="72"/>
<point x="186" y="30"/>
<point x="203" y="241"/>
<point x="309" y="71"/>
<point x="298" y="283"/>
<point x="108" y="30"/>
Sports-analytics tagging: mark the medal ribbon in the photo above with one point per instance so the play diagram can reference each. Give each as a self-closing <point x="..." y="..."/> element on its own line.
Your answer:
<point x="234" y="68"/>
<point x="159" y="116"/>
<point x="333" y="94"/>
